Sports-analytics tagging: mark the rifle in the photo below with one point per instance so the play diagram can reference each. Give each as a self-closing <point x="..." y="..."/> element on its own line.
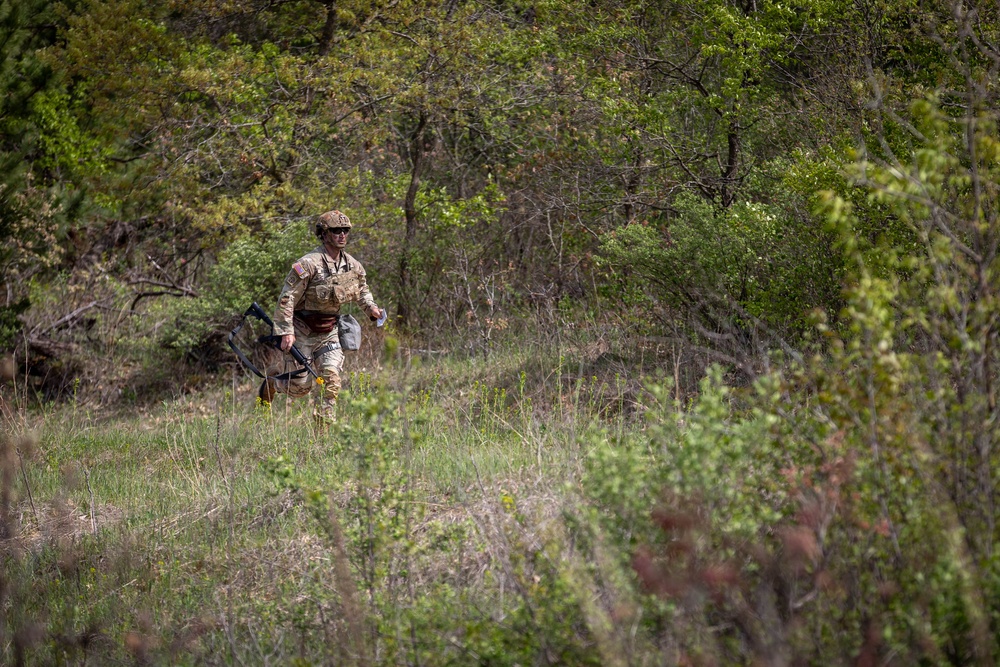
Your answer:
<point x="270" y="340"/>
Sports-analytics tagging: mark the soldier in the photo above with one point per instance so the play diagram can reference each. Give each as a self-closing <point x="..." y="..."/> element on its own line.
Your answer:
<point x="308" y="309"/>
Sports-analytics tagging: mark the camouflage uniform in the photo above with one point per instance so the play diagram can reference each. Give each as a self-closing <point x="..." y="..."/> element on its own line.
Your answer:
<point x="318" y="286"/>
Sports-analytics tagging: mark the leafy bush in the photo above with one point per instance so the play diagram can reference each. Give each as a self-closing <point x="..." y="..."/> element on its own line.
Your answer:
<point x="838" y="510"/>
<point x="764" y="259"/>
<point x="250" y="269"/>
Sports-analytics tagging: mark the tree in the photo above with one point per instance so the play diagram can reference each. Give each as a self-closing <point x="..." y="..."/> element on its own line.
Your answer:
<point x="34" y="206"/>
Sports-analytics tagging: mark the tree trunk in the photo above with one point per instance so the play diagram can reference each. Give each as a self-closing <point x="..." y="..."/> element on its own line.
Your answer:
<point x="403" y="310"/>
<point x="326" y="37"/>
<point x="729" y="174"/>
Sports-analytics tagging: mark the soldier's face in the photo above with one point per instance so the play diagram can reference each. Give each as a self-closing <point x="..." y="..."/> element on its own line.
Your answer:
<point x="336" y="238"/>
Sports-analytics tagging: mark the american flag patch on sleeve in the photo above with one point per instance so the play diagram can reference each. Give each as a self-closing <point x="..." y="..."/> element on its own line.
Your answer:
<point x="299" y="270"/>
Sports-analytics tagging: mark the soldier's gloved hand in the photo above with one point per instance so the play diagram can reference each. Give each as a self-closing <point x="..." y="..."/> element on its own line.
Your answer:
<point x="287" y="341"/>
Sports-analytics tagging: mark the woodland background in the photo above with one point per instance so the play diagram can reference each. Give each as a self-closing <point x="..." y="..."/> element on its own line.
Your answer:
<point x="693" y="340"/>
<point x="655" y="164"/>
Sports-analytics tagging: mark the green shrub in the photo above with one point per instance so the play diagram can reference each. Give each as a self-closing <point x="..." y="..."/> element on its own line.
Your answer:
<point x="250" y="269"/>
<point x="765" y="258"/>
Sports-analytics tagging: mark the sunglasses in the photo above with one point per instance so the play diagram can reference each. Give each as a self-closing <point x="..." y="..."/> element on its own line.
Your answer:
<point x="336" y="231"/>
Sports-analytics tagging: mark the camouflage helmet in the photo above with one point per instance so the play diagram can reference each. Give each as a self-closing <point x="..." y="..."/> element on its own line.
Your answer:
<point x="331" y="220"/>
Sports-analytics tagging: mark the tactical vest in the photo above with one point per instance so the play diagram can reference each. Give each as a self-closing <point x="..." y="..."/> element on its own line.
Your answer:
<point x="328" y="289"/>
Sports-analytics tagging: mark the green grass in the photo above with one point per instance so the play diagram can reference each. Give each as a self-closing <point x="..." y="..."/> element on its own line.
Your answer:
<point x="533" y="507"/>
<point x="200" y="531"/>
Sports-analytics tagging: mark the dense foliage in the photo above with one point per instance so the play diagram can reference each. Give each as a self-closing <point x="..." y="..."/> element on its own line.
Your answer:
<point x="488" y="151"/>
<point x="772" y="227"/>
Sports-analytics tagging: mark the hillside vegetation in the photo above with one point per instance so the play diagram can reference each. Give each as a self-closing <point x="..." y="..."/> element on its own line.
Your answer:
<point x="692" y="354"/>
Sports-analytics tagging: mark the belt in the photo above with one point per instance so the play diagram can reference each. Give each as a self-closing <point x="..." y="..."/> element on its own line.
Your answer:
<point x="317" y="322"/>
<point x="313" y="313"/>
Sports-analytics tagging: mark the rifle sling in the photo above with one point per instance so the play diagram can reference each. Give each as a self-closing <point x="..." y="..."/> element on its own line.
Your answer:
<point x="249" y="364"/>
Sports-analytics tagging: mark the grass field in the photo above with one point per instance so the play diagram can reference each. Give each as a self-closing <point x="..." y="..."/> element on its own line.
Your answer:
<point x="562" y="503"/>
<point x="426" y="527"/>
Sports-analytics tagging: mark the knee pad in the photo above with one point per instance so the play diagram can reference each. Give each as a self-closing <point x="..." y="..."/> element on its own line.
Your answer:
<point x="332" y="386"/>
<point x="299" y="389"/>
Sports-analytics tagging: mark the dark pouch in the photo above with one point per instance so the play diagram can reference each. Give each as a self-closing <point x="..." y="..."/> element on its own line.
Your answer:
<point x="350" y="332"/>
<point x="318" y="322"/>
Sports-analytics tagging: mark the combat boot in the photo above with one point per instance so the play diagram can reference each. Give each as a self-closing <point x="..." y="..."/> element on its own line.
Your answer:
<point x="268" y="388"/>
